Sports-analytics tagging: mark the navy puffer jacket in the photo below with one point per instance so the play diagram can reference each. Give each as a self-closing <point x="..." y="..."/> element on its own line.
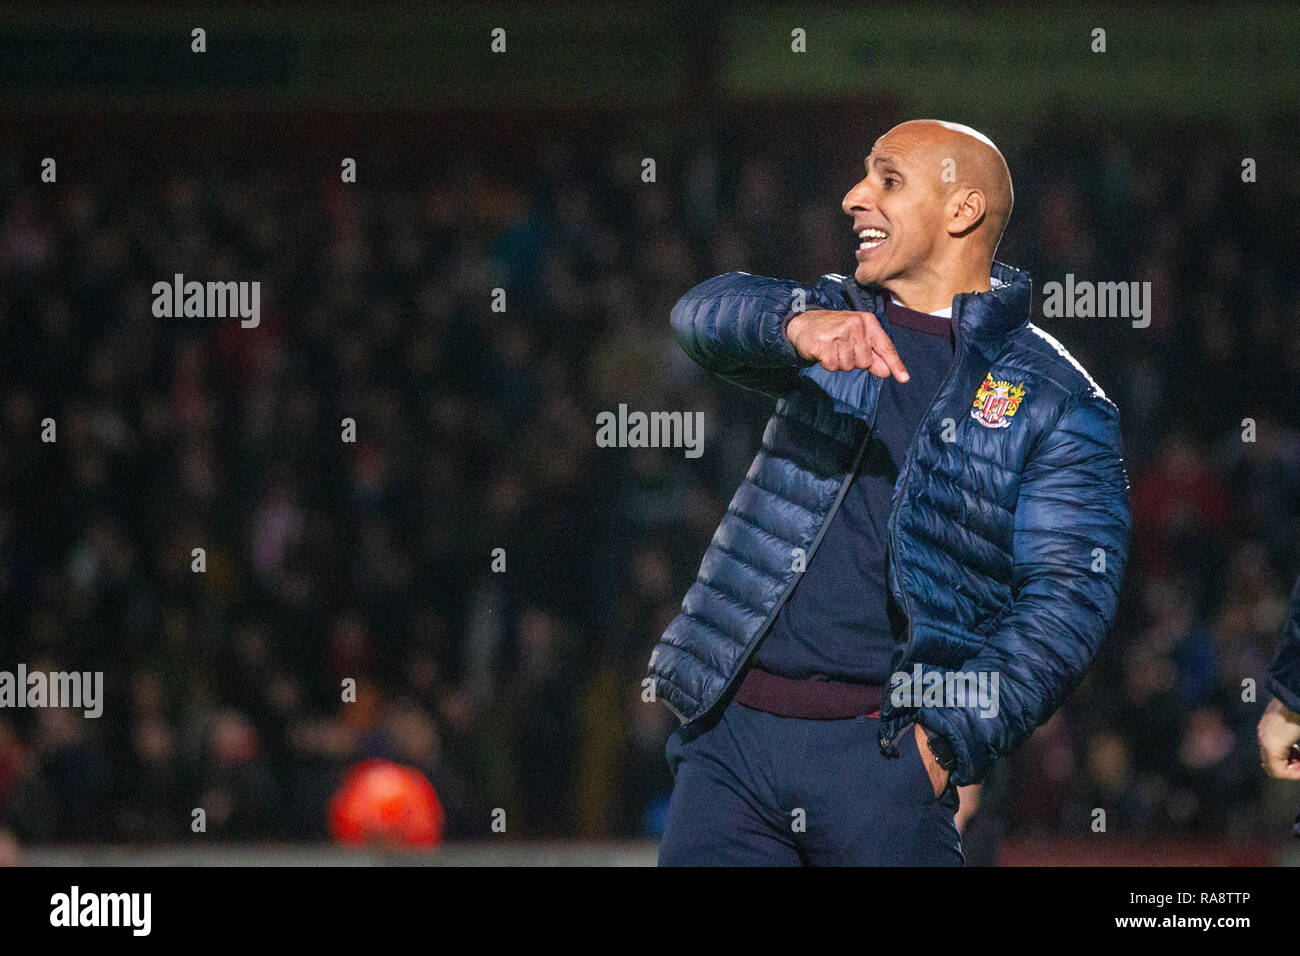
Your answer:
<point x="1008" y="542"/>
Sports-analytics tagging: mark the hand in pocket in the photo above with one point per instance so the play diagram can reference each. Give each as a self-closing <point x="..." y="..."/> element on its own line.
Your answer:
<point x="938" y="776"/>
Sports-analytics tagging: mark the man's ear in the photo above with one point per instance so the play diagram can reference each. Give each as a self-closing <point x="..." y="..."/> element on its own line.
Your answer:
<point x="968" y="208"/>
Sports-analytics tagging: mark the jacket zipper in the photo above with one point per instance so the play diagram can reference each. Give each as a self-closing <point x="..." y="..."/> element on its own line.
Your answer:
<point x="812" y="547"/>
<point x="907" y="473"/>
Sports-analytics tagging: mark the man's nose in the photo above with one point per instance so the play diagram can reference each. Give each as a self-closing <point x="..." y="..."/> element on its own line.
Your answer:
<point x="859" y="197"/>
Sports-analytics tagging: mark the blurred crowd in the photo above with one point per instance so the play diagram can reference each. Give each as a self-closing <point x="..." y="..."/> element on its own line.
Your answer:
<point x="375" y="560"/>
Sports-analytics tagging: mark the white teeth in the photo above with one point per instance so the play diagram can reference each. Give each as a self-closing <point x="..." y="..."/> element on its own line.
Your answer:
<point x="872" y="237"/>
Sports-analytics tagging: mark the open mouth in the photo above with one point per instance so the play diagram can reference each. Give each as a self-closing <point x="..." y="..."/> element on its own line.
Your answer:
<point x="870" y="238"/>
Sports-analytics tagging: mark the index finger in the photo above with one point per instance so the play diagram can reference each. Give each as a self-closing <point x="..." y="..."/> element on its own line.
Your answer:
<point x="884" y="347"/>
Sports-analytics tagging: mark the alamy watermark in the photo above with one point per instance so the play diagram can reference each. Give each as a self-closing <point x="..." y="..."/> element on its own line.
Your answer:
<point x="651" y="430"/>
<point x="208" y="300"/>
<point x="82" y="690"/>
<point x="133" y="911"/>
<point x="1084" y="299"/>
<point x="945" y="689"/>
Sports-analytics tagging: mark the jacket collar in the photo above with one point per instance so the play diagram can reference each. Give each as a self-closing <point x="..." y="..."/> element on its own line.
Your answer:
<point x="987" y="317"/>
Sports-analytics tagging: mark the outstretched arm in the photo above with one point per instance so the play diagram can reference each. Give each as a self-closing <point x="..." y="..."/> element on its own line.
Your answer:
<point x="759" y="332"/>
<point x="733" y="325"/>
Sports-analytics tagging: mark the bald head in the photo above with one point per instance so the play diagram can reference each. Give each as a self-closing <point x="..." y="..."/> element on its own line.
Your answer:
<point x="964" y="159"/>
<point x="931" y="211"/>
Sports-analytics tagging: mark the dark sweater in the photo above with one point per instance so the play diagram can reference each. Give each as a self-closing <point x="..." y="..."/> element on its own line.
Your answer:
<point x="840" y="622"/>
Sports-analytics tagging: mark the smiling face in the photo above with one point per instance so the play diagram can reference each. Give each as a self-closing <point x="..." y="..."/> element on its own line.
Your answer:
<point x="898" y="209"/>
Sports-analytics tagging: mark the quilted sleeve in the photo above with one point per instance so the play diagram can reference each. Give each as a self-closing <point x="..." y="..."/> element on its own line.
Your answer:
<point x="733" y="325"/>
<point x="1072" y="528"/>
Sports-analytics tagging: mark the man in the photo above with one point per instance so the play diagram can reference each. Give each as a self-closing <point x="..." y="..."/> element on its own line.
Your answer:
<point x="1279" y="728"/>
<point x="940" y="495"/>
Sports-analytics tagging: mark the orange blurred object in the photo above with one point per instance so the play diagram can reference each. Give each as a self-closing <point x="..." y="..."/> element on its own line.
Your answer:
<point x="385" y="804"/>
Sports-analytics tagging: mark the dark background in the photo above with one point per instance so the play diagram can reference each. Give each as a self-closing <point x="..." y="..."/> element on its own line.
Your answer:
<point x="476" y="429"/>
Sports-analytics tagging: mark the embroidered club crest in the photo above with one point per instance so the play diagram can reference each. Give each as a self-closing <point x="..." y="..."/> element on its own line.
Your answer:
<point x="996" y="401"/>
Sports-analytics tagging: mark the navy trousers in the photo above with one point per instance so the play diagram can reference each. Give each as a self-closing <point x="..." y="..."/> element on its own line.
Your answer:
<point x="756" y="789"/>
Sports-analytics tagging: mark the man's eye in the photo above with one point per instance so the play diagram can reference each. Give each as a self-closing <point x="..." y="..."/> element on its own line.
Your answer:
<point x="891" y="182"/>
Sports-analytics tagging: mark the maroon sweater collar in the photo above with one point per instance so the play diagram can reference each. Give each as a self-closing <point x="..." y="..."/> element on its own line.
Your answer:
<point x="901" y="315"/>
